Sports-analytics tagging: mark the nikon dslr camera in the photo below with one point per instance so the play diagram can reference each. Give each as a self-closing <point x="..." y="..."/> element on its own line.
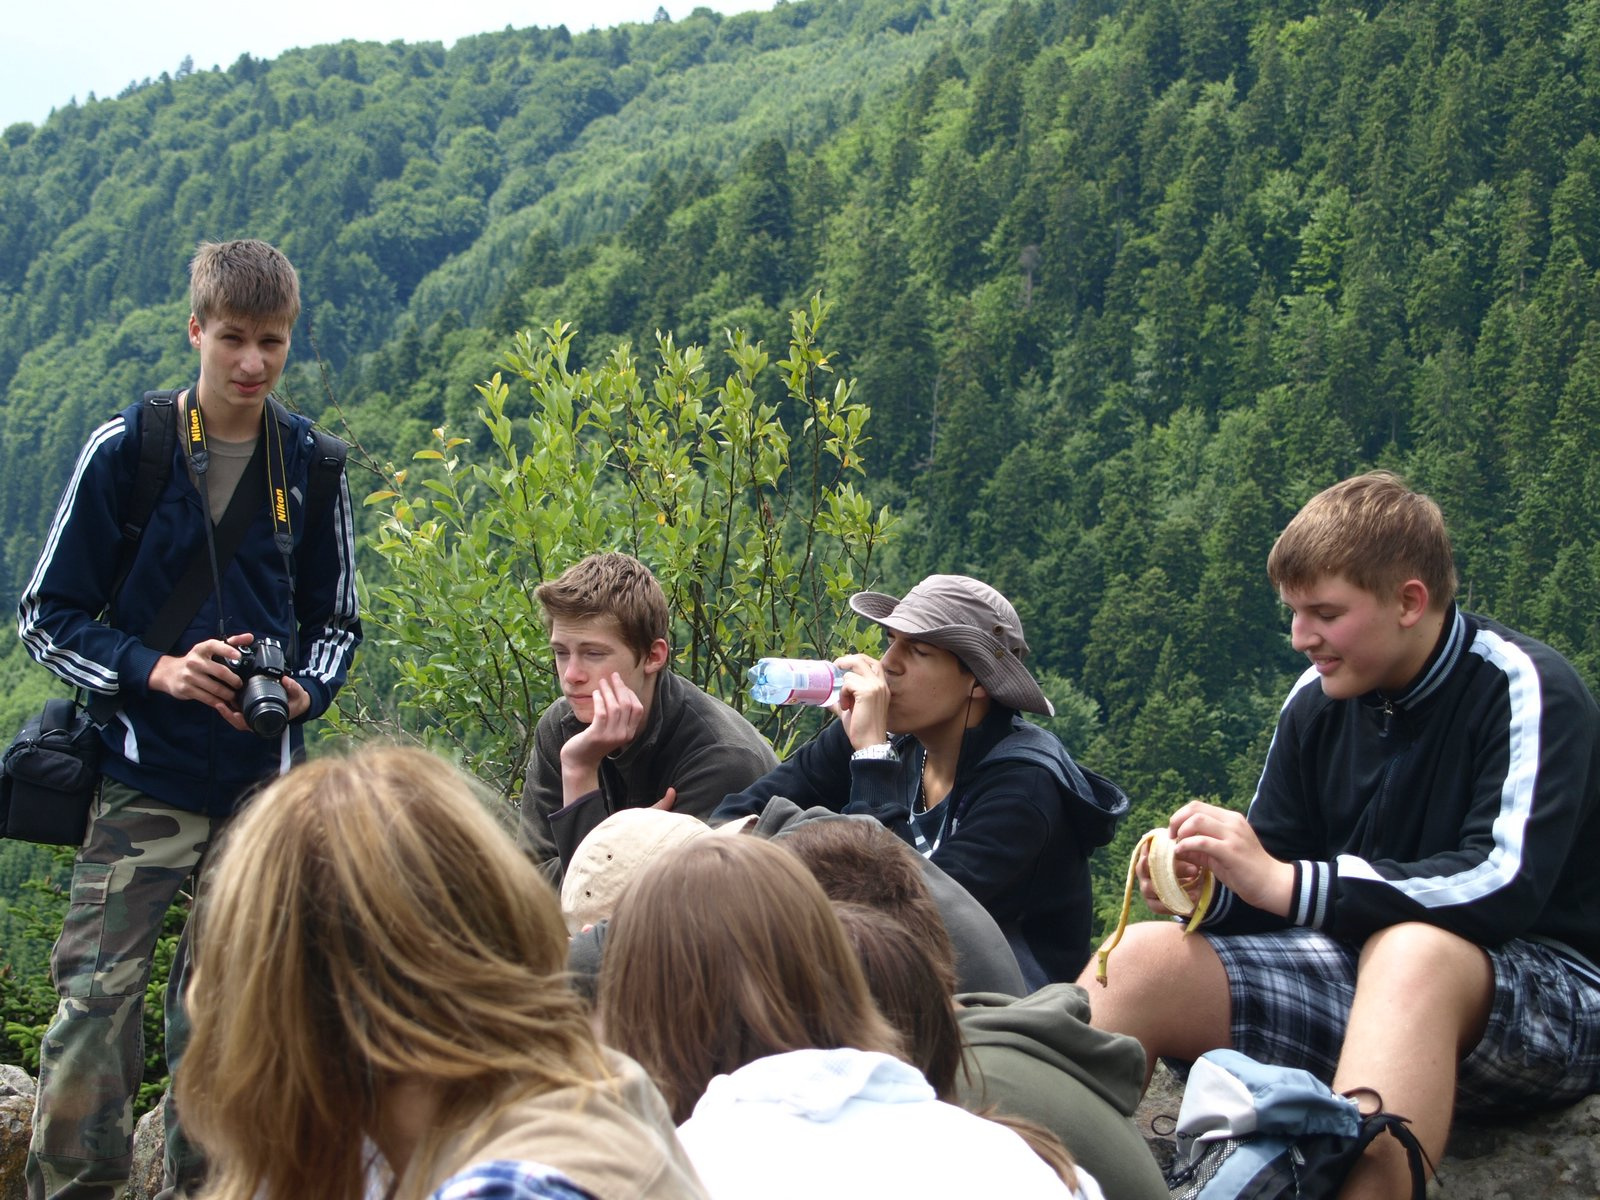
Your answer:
<point x="262" y="699"/>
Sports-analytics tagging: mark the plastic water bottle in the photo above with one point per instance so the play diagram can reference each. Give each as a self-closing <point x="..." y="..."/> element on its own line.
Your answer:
<point x="795" y="681"/>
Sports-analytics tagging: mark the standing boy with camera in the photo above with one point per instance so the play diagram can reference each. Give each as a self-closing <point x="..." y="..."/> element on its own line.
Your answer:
<point x="252" y="526"/>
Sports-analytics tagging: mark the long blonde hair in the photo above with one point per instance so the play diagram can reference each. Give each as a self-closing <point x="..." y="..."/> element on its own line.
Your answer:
<point x="367" y="923"/>
<point x="724" y="951"/>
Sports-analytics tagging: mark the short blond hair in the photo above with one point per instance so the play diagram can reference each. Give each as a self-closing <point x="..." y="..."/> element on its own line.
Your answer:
<point x="1372" y="530"/>
<point x="247" y="278"/>
<point x="368" y="922"/>
<point x="615" y="586"/>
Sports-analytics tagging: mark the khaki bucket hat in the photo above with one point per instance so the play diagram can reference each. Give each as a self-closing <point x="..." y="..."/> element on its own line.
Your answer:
<point x="974" y="622"/>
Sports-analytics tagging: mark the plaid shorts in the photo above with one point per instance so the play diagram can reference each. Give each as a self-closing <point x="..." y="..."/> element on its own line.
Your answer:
<point x="1292" y="991"/>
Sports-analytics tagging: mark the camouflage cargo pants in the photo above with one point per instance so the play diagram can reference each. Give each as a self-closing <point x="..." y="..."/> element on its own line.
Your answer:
<point x="136" y="854"/>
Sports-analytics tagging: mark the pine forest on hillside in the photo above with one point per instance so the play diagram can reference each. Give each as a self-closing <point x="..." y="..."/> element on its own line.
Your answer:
<point x="1121" y="282"/>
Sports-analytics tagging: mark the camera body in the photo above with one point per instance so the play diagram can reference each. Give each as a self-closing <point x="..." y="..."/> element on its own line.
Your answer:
<point x="261" y="667"/>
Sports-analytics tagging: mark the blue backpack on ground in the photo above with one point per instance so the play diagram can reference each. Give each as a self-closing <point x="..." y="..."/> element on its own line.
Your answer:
<point x="1248" y="1131"/>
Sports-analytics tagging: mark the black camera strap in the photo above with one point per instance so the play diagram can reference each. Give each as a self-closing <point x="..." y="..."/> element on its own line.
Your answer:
<point x="205" y="573"/>
<point x="194" y="447"/>
<point x="265" y="469"/>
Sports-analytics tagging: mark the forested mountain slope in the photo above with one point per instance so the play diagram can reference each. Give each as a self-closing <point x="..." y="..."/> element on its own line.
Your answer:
<point x="1124" y="283"/>
<point x="400" y="178"/>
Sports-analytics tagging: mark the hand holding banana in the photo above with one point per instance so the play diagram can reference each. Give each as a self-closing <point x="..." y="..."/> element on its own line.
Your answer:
<point x="1158" y="846"/>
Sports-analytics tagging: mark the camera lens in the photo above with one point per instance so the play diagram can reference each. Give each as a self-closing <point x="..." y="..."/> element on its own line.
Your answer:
<point x="265" y="705"/>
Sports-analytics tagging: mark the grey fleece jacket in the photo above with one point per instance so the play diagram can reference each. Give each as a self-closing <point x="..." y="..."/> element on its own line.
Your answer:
<point x="984" y="960"/>
<point x="691" y="741"/>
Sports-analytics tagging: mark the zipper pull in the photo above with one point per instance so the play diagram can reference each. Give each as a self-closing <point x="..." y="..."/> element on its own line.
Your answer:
<point x="1388" y="718"/>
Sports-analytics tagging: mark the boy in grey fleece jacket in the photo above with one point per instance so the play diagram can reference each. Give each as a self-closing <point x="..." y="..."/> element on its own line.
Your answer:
<point x="627" y="732"/>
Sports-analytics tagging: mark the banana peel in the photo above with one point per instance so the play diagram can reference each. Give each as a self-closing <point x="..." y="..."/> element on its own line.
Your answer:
<point x="1173" y="895"/>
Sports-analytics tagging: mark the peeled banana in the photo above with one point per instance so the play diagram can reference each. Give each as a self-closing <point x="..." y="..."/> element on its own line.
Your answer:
<point x="1173" y="895"/>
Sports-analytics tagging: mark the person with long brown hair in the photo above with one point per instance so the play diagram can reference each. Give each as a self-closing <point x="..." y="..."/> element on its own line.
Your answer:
<point x="380" y="996"/>
<point x="728" y="977"/>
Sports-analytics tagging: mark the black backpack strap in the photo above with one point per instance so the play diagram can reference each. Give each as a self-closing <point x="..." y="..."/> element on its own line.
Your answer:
<point x="158" y="434"/>
<point x="327" y="464"/>
<point x="1376" y="1121"/>
<point x="1417" y="1160"/>
<point x="323" y="471"/>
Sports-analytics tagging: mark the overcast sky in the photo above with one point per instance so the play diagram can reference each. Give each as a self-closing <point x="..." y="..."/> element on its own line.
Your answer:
<point x="53" y="53"/>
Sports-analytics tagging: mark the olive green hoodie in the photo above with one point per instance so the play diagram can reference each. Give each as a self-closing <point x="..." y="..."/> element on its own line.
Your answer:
<point x="1039" y="1058"/>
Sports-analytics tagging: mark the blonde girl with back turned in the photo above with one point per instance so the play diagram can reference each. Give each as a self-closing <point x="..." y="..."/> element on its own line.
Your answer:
<point x="380" y="996"/>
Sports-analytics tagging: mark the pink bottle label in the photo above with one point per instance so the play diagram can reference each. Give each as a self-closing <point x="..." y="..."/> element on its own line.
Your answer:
<point x="814" y="685"/>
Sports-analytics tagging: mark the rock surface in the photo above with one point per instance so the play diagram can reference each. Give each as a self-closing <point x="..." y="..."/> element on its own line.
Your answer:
<point x="16" y="1126"/>
<point x="1553" y="1156"/>
<point x="16" y="1123"/>
<point x="149" y="1139"/>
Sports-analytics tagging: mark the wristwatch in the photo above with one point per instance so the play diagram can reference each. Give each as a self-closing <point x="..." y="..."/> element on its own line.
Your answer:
<point x="883" y="750"/>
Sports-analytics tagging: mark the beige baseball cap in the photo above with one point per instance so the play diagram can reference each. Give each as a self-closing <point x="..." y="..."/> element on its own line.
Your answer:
<point x="620" y="847"/>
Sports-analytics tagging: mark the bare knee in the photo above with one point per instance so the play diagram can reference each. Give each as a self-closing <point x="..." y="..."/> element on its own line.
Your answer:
<point x="1417" y="954"/>
<point x="1425" y="967"/>
<point x="1164" y="988"/>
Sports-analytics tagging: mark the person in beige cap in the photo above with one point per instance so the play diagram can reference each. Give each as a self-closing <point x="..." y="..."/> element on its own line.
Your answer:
<point x="616" y="850"/>
<point x="931" y="740"/>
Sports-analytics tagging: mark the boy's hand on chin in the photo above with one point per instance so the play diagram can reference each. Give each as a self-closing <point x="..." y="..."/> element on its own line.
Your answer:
<point x="617" y="718"/>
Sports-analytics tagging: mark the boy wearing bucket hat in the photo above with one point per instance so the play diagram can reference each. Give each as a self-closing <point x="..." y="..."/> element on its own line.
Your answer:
<point x="932" y="742"/>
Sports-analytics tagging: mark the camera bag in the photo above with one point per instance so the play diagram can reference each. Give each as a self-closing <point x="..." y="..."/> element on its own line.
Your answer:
<point x="48" y="777"/>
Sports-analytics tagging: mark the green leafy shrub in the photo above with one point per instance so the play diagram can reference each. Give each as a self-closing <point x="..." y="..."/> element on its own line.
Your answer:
<point x="757" y="534"/>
